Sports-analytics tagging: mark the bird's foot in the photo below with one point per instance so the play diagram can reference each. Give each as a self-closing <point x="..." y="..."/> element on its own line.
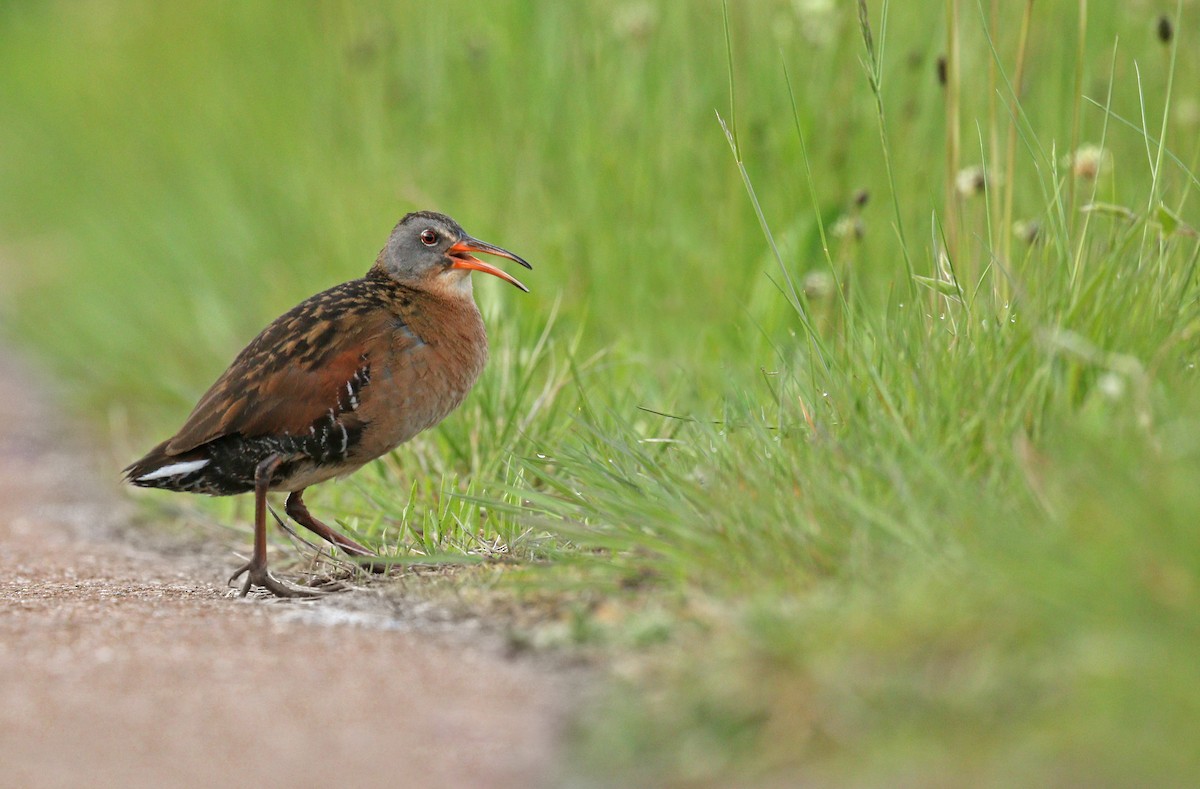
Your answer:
<point x="257" y="575"/>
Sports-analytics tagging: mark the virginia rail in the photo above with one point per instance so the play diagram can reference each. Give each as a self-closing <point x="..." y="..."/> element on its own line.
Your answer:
<point x="340" y="379"/>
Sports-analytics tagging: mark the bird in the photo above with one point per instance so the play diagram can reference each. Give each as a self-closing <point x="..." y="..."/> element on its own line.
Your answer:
<point x="342" y="378"/>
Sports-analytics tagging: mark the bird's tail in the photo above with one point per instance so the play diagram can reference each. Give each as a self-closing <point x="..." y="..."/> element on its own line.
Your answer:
<point x="159" y="469"/>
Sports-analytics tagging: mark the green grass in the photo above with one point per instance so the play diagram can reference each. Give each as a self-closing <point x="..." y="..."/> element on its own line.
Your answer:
<point x="858" y="526"/>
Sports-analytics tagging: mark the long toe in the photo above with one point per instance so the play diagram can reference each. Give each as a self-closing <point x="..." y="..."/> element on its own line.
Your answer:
<point x="243" y="570"/>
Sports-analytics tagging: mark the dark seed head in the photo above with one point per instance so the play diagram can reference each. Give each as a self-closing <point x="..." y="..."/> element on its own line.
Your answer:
<point x="1028" y="230"/>
<point x="1165" y="29"/>
<point x="941" y="70"/>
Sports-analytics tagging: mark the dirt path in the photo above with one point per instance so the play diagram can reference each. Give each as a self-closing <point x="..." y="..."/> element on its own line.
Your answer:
<point x="124" y="667"/>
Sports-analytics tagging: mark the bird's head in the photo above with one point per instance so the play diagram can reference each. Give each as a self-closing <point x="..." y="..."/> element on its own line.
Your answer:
<point x="430" y="249"/>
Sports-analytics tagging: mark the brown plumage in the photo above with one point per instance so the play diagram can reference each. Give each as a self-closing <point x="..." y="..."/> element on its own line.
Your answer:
<point x="340" y="379"/>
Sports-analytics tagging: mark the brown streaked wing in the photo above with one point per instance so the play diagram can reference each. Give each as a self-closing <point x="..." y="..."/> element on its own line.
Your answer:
<point x="293" y="372"/>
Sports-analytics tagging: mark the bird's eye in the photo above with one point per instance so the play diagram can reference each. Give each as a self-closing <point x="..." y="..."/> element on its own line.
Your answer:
<point x="429" y="237"/>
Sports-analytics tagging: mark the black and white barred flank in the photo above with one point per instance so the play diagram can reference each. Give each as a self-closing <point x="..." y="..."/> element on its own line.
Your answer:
<point x="226" y="465"/>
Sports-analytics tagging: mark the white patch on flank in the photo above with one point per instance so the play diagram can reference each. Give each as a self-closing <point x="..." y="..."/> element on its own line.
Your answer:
<point x="175" y="470"/>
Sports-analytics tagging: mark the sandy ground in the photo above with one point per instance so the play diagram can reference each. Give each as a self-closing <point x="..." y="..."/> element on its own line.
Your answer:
<point x="126" y="666"/>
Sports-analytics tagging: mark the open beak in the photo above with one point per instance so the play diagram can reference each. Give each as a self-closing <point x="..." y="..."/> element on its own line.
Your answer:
<point x="460" y="253"/>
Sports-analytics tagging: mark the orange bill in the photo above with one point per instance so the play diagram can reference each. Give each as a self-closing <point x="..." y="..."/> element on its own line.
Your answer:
<point x="461" y="253"/>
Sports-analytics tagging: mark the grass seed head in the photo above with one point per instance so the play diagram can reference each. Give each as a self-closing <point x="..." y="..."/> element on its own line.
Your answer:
<point x="635" y="22"/>
<point x="848" y="226"/>
<point x="1089" y="162"/>
<point x="971" y="181"/>
<point x="819" y="285"/>
<point x="818" y="20"/>
<point x="1028" y="230"/>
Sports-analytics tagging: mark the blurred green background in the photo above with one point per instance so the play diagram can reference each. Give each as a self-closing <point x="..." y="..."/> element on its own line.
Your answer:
<point x="191" y="170"/>
<point x="188" y="171"/>
<point x="928" y="529"/>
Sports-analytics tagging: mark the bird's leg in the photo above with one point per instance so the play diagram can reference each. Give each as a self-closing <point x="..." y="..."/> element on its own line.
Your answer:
<point x="256" y="569"/>
<point x="298" y="512"/>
